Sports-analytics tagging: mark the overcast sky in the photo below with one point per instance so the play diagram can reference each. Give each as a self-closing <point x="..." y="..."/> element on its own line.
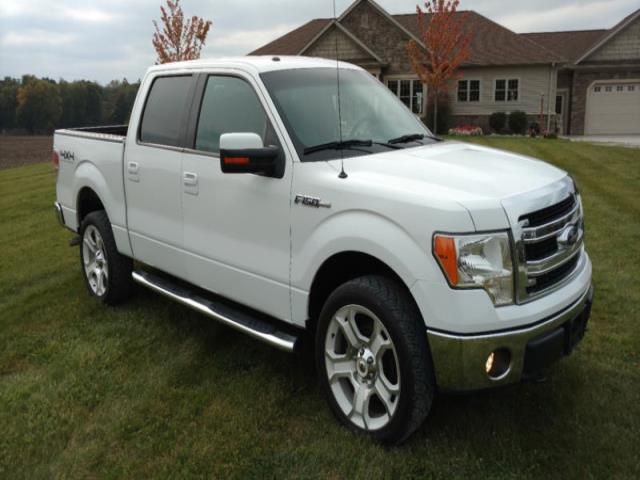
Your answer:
<point x="107" y="39"/>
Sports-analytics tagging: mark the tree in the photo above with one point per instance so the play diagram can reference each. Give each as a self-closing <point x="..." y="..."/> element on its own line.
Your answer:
<point x="39" y="106"/>
<point x="180" y="38"/>
<point x="8" y="103"/>
<point x="446" y="46"/>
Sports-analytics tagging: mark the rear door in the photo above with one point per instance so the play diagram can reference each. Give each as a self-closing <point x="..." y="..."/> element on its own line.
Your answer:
<point x="152" y="174"/>
<point x="236" y="226"/>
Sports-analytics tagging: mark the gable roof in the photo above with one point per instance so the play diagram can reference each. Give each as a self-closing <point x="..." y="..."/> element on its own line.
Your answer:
<point x="491" y="43"/>
<point x="293" y="42"/>
<point x="611" y="33"/>
<point x="570" y="45"/>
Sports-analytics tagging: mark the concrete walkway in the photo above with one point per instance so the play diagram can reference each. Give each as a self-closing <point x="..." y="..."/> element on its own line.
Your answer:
<point x="614" y="140"/>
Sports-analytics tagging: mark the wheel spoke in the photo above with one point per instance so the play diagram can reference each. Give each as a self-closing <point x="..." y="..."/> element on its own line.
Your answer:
<point x="386" y="392"/>
<point x="100" y="286"/>
<point x="340" y="366"/>
<point x="347" y="327"/>
<point x="361" y="403"/>
<point x="90" y="245"/>
<point x="378" y="344"/>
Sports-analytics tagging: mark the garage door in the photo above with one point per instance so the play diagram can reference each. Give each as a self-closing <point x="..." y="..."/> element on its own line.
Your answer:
<point x="613" y="108"/>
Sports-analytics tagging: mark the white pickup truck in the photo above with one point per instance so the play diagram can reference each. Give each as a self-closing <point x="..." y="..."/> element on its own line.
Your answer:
<point x="255" y="191"/>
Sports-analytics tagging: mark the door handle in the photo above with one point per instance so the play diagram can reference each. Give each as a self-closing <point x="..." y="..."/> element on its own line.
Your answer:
<point x="190" y="179"/>
<point x="133" y="167"/>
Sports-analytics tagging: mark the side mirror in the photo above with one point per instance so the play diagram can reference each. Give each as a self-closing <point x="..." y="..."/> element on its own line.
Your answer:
<point x="245" y="153"/>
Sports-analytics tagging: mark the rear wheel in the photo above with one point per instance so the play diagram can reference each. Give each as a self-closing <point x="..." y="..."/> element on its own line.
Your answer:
<point x="373" y="358"/>
<point x="107" y="273"/>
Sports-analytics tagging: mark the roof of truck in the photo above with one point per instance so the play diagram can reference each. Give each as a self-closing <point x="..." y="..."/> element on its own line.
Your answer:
<point x="259" y="63"/>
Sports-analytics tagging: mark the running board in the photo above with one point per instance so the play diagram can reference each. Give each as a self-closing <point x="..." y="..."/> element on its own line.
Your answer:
<point x="254" y="325"/>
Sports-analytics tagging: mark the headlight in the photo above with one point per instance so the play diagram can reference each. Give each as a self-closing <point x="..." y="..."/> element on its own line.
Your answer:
<point x="477" y="261"/>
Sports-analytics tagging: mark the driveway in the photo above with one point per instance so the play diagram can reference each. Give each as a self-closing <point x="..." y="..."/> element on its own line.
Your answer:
<point x="616" y="140"/>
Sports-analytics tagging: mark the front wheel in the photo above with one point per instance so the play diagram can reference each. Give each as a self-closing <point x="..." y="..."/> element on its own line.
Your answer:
<point x="373" y="359"/>
<point x="107" y="273"/>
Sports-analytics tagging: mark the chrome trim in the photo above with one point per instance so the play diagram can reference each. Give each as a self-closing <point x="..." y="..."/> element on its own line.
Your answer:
<point x="542" y="232"/>
<point x="523" y="235"/>
<point x="105" y="137"/>
<point x="459" y="360"/>
<point x="285" y="344"/>
<point x="59" y="213"/>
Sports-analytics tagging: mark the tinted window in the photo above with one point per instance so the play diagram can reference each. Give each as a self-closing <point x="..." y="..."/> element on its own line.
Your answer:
<point x="162" y="117"/>
<point x="229" y="105"/>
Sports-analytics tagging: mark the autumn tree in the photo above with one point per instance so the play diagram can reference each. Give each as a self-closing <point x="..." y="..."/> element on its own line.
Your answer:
<point x="445" y="45"/>
<point x="39" y="106"/>
<point x="180" y="38"/>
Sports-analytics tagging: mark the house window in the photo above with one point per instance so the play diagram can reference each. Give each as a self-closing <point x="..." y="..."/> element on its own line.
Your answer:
<point x="597" y="89"/>
<point x="410" y="92"/>
<point x="559" y="102"/>
<point x="619" y="88"/>
<point x="468" y="90"/>
<point x="506" y="90"/>
<point x="608" y="88"/>
<point x="631" y="88"/>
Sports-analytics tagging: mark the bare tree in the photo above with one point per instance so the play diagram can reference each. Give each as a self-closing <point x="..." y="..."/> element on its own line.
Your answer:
<point x="180" y="38"/>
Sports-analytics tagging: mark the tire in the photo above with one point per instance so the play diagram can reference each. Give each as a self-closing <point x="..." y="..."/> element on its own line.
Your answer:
<point x="372" y="341"/>
<point x="107" y="273"/>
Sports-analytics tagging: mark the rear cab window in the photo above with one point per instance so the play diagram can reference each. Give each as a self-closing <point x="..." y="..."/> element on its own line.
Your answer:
<point x="163" y="116"/>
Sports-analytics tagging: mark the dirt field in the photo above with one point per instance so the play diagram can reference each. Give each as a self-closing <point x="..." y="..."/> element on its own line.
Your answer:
<point x="24" y="150"/>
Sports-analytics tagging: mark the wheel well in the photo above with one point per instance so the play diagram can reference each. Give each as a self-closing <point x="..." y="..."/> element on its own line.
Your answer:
<point x="88" y="201"/>
<point x="341" y="268"/>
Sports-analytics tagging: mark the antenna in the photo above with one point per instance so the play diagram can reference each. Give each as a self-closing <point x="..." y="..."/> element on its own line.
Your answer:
<point x="342" y="174"/>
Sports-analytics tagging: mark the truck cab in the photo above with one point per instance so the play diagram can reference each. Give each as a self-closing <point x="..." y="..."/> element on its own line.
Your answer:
<point x="293" y="198"/>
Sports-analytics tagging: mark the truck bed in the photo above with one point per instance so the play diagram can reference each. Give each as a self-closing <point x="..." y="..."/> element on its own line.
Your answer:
<point x="108" y="132"/>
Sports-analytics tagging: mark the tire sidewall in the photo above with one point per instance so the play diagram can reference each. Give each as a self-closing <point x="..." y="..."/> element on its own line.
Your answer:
<point x="352" y="294"/>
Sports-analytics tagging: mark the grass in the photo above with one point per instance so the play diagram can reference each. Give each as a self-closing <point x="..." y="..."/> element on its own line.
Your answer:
<point x="151" y="389"/>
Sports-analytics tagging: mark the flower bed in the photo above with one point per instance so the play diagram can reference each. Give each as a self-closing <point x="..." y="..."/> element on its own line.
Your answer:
<point x="467" y="130"/>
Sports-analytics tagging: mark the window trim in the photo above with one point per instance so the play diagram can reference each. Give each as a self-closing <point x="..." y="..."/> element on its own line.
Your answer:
<point x="412" y="78"/>
<point x="182" y="137"/>
<point x="506" y="90"/>
<point x="468" y="100"/>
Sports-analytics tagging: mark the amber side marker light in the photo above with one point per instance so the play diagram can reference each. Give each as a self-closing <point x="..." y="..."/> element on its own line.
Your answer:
<point x="55" y="159"/>
<point x="236" y="160"/>
<point x="445" y="250"/>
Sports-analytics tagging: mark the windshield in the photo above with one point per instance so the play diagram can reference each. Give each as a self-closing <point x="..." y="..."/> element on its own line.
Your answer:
<point x="373" y="119"/>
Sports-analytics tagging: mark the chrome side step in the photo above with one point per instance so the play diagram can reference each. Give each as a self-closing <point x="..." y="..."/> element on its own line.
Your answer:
<point x="255" y="326"/>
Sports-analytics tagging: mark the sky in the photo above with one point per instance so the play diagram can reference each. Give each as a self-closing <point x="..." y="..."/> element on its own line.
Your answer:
<point x="111" y="39"/>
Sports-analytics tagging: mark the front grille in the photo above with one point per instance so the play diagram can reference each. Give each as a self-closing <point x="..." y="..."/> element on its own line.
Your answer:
<point x="548" y="214"/>
<point x="547" y="280"/>
<point x="550" y="246"/>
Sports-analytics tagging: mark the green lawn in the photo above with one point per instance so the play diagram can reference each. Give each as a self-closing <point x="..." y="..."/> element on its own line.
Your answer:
<point x="151" y="389"/>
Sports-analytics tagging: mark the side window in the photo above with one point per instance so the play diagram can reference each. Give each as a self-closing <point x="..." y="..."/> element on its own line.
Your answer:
<point x="229" y="105"/>
<point x="162" y="117"/>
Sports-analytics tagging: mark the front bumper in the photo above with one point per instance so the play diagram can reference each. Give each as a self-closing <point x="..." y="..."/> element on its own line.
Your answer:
<point x="459" y="360"/>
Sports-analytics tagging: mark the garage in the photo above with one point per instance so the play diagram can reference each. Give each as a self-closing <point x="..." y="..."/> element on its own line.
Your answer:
<point x="613" y="108"/>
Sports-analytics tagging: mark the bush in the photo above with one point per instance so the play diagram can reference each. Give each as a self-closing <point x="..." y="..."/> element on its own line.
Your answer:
<point x="534" y="129"/>
<point x="518" y="122"/>
<point x="444" y="115"/>
<point x="497" y="121"/>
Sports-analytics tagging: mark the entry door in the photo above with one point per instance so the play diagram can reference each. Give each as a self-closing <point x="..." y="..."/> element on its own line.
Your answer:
<point x="560" y="109"/>
<point x="236" y="226"/>
<point x="152" y="176"/>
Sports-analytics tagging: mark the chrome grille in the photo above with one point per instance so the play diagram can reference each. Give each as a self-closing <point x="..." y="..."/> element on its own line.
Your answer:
<point x="549" y="246"/>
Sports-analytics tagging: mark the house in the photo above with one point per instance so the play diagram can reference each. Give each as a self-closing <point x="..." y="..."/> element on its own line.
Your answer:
<point x="578" y="82"/>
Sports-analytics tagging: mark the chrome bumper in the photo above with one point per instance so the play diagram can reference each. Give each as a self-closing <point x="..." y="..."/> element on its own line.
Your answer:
<point x="59" y="214"/>
<point x="459" y="360"/>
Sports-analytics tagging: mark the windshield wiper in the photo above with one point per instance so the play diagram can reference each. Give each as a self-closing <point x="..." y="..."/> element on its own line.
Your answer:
<point x="345" y="144"/>
<point x="412" y="137"/>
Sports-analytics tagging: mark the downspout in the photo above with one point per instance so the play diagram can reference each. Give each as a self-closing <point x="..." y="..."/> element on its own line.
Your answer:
<point x="551" y="70"/>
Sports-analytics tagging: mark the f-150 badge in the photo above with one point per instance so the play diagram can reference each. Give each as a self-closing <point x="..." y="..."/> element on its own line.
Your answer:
<point x="311" y="201"/>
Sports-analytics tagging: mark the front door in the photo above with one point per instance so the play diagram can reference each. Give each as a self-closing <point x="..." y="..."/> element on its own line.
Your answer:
<point x="236" y="226"/>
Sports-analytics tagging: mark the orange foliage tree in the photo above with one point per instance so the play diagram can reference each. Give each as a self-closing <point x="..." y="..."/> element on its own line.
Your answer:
<point x="445" y="47"/>
<point x="180" y="38"/>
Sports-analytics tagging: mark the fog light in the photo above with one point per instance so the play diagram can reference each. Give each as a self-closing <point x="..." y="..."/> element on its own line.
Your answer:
<point x="498" y="363"/>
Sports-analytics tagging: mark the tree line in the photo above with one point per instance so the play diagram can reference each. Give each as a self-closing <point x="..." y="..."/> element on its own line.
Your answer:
<point x="40" y="105"/>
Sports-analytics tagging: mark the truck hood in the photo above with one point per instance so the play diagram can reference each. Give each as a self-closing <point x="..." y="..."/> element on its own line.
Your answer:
<point x="478" y="178"/>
